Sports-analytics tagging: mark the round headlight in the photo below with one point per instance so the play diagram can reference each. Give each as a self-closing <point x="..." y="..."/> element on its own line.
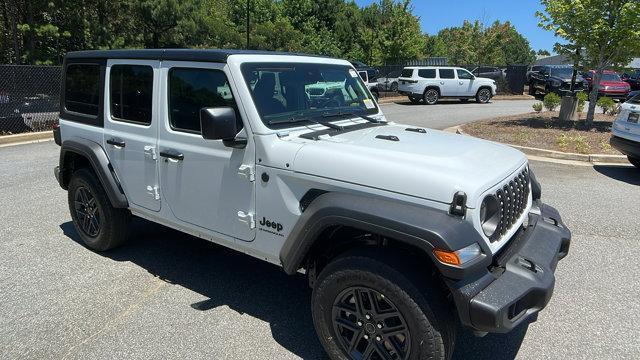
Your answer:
<point x="490" y="215"/>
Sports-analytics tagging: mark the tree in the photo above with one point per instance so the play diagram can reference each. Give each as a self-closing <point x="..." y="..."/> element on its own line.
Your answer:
<point x="543" y="52"/>
<point x="601" y="33"/>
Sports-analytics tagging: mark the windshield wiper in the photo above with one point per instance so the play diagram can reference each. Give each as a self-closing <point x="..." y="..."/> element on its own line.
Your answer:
<point x="342" y="114"/>
<point x="323" y="123"/>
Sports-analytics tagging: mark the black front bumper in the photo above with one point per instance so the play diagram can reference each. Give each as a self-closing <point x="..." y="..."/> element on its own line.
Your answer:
<point x="521" y="279"/>
<point x="627" y="147"/>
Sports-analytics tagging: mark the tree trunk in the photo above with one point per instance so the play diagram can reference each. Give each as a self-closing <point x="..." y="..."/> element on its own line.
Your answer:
<point x="593" y="97"/>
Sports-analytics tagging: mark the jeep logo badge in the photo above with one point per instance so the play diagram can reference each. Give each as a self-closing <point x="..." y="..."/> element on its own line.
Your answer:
<point x="271" y="224"/>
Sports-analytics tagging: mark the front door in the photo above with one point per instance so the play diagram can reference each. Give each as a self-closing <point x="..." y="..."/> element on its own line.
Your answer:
<point x="204" y="183"/>
<point x="130" y="128"/>
<point x="465" y="83"/>
<point x="448" y="82"/>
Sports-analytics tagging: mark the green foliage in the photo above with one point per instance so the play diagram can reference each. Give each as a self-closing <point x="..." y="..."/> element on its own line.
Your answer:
<point x="474" y="43"/>
<point x="606" y="103"/>
<point x="563" y="141"/>
<point x="537" y="107"/>
<point x="582" y="146"/>
<point x="582" y="98"/>
<point x="543" y="52"/>
<point x="551" y="101"/>
<point x="598" y="33"/>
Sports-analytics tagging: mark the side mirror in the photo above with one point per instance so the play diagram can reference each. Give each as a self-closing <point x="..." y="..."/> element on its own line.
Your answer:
<point x="221" y="123"/>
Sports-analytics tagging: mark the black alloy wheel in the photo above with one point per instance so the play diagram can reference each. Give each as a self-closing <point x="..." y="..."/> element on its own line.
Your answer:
<point x="87" y="211"/>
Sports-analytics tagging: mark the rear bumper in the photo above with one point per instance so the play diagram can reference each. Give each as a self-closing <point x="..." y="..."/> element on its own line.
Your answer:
<point x="627" y="147"/>
<point x="521" y="280"/>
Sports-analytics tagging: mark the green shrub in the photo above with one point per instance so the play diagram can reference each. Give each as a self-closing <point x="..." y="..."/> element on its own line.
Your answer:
<point x="606" y="103"/>
<point x="582" y="146"/>
<point x="563" y="141"/>
<point x="582" y="99"/>
<point x="551" y="101"/>
<point x="537" y="107"/>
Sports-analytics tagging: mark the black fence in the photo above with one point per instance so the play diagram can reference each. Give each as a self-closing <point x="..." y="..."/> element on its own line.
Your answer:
<point x="29" y="98"/>
<point x="510" y="79"/>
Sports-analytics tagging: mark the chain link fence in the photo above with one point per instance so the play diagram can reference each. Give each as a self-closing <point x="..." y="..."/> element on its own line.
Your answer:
<point x="29" y="98"/>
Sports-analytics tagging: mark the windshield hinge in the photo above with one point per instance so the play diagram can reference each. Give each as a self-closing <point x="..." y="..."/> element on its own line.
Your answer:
<point x="247" y="171"/>
<point x="150" y="151"/>
<point x="247" y="218"/>
<point x="155" y="191"/>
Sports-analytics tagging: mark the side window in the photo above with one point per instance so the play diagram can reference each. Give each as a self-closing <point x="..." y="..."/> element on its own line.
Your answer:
<point x="407" y="73"/>
<point x="193" y="89"/>
<point x="464" y="74"/>
<point x="427" y="73"/>
<point x="364" y="76"/>
<point x="447" y="74"/>
<point x="82" y="89"/>
<point x="131" y="88"/>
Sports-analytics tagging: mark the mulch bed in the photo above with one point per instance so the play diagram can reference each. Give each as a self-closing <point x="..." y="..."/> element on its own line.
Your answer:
<point x="546" y="131"/>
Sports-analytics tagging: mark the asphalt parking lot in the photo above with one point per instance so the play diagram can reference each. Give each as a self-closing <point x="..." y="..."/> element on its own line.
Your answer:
<point x="168" y="295"/>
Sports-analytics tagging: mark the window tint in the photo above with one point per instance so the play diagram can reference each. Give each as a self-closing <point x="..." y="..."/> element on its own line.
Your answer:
<point x="131" y="88"/>
<point x="82" y="89"/>
<point x="407" y="73"/>
<point x="464" y="74"/>
<point x="193" y="89"/>
<point x="427" y="73"/>
<point x="446" y="74"/>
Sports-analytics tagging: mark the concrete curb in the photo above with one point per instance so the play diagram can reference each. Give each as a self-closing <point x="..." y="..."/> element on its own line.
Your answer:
<point x="559" y="155"/>
<point x="25" y="138"/>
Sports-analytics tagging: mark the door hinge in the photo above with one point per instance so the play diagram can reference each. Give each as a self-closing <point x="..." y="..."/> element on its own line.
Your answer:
<point x="150" y="150"/>
<point x="247" y="218"/>
<point x="154" y="190"/>
<point x="247" y="171"/>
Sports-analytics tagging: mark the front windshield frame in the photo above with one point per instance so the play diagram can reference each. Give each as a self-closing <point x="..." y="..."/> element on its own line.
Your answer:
<point x="308" y="115"/>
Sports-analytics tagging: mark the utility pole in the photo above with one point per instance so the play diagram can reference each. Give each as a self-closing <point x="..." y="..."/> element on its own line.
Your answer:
<point x="248" y="23"/>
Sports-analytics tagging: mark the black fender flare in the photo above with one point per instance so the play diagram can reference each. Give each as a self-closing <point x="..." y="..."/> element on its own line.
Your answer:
<point x="417" y="226"/>
<point x="96" y="156"/>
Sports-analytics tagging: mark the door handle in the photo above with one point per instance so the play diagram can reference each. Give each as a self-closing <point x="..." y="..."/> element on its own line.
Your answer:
<point x="441" y="82"/>
<point x="172" y="154"/>
<point x="116" y="142"/>
<point x="460" y="82"/>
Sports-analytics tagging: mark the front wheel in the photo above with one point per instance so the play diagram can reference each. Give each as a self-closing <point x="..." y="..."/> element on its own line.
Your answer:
<point x="365" y="308"/>
<point x="483" y="96"/>
<point x="431" y="96"/>
<point x="634" y="161"/>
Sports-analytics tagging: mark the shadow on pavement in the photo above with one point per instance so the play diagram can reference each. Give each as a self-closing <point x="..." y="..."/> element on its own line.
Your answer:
<point x="261" y="290"/>
<point x="628" y="174"/>
<point x="440" y="102"/>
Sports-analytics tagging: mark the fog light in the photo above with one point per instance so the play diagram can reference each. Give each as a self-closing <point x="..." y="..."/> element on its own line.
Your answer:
<point x="458" y="257"/>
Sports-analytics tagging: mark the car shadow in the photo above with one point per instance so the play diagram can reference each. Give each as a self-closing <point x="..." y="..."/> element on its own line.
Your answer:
<point x="256" y="288"/>
<point x="440" y="102"/>
<point x="628" y="174"/>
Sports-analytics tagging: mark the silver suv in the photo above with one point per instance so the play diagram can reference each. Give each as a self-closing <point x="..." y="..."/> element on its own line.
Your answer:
<point x="402" y="232"/>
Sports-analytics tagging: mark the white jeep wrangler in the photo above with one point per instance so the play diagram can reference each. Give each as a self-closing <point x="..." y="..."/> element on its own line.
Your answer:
<point x="401" y="231"/>
<point x="429" y="84"/>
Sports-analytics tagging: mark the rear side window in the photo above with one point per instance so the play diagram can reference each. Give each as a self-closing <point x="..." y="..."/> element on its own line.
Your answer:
<point x="82" y="89"/>
<point x="407" y="73"/>
<point x="634" y="100"/>
<point x="447" y="74"/>
<point x="193" y="89"/>
<point x="427" y="73"/>
<point x="131" y="88"/>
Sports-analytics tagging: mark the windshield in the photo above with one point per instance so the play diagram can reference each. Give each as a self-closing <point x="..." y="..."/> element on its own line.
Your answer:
<point x="610" y="77"/>
<point x="562" y="72"/>
<point x="287" y="93"/>
<point x="635" y="99"/>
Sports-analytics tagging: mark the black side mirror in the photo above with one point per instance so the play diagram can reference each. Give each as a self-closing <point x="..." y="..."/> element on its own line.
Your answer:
<point x="221" y="123"/>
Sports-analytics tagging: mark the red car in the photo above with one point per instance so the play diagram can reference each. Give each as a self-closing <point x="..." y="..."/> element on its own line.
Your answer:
<point x="611" y="84"/>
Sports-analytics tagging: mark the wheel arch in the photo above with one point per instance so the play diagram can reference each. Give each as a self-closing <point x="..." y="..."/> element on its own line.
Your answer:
<point x="334" y="222"/>
<point x="79" y="153"/>
<point x="435" y="87"/>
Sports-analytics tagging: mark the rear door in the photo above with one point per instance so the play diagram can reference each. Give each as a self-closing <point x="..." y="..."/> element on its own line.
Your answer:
<point x="131" y="128"/>
<point x="448" y="82"/>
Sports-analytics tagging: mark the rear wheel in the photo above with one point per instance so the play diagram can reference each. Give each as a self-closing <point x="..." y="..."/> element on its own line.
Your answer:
<point x="634" y="161"/>
<point x="431" y="96"/>
<point x="100" y="226"/>
<point x="366" y="308"/>
<point x="394" y="86"/>
<point x="483" y="96"/>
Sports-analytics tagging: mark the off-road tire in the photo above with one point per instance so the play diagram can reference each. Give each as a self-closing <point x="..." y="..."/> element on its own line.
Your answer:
<point x="431" y="96"/>
<point x="483" y="96"/>
<point x="428" y="318"/>
<point x="634" y="161"/>
<point x="112" y="223"/>
<point x="394" y="86"/>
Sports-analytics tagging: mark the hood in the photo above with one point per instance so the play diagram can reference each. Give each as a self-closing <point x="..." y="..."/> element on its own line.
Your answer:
<point x="613" y="83"/>
<point x="484" y="79"/>
<point x="432" y="165"/>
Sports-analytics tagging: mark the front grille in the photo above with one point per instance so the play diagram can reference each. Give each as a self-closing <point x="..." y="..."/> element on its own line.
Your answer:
<point x="513" y="197"/>
<point x="316" y="91"/>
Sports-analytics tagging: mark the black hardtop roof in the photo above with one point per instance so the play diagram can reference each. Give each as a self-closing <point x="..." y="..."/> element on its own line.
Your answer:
<point x="211" y="55"/>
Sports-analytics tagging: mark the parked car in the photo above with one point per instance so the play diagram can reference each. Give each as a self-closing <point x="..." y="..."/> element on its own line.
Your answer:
<point x="431" y="83"/>
<point x="531" y="70"/>
<point x="489" y="72"/>
<point x="611" y="85"/>
<point x="372" y="85"/>
<point x="27" y="113"/>
<point x="632" y="78"/>
<point x="403" y="233"/>
<point x="625" y="132"/>
<point x="632" y="94"/>
<point x="389" y="82"/>
<point x="372" y="73"/>
<point x="554" y="78"/>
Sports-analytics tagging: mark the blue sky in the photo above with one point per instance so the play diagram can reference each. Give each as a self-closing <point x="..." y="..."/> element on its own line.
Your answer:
<point x="437" y="14"/>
